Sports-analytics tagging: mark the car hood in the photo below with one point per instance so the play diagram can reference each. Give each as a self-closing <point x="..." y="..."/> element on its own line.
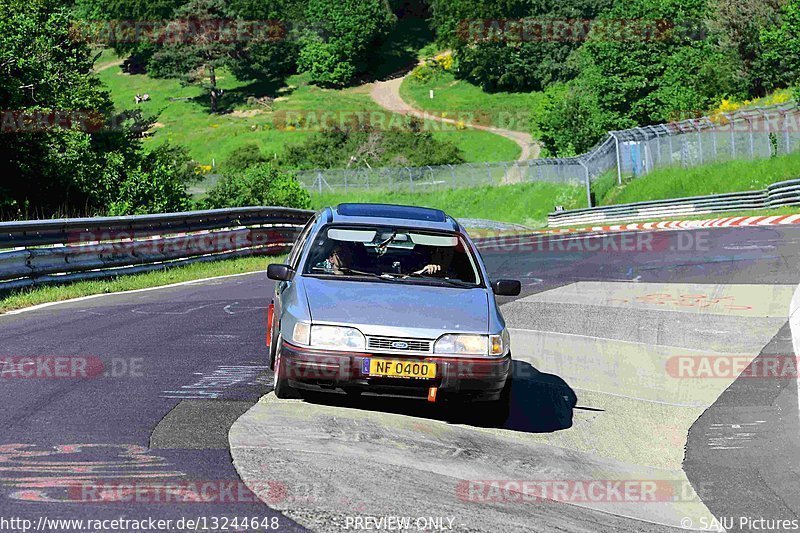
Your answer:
<point x="395" y="309"/>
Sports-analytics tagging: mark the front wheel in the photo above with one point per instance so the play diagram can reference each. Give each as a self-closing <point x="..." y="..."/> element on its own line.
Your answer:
<point x="280" y="384"/>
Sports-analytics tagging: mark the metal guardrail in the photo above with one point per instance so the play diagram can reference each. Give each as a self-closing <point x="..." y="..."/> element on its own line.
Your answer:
<point x="57" y="251"/>
<point x="785" y="193"/>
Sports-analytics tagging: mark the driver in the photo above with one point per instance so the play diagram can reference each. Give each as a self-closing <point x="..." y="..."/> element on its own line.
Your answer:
<point x="439" y="260"/>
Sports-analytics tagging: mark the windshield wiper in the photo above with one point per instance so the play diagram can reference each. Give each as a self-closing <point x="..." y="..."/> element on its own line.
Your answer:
<point x="384" y="276"/>
<point x="449" y="281"/>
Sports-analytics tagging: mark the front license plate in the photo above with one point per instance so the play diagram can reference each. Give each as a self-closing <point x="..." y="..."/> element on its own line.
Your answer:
<point x="402" y="369"/>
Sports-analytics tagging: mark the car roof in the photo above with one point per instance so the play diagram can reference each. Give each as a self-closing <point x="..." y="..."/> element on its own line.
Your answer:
<point x="397" y="215"/>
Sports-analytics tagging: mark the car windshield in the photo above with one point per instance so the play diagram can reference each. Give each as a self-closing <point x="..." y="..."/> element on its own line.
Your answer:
<point x="393" y="254"/>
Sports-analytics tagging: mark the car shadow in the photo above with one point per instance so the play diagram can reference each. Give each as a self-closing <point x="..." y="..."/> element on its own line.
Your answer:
<point x="539" y="403"/>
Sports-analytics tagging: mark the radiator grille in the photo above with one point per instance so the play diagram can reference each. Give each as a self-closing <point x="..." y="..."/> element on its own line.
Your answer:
<point x="397" y="344"/>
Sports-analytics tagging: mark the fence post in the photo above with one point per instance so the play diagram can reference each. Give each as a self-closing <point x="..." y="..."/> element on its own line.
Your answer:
<point x="733" y="135"/>
<point x="410" y="180"/>
<point x="671" y="148"/>
<point x="619" y="163"/>
<point x="657" y="160"/>
<point x="452" y="176"/>
<point x="714" y="137"/>
<point x="345" y="183"/>
<point x="765" y="118"/>
<point x="752" y="146"/>
<point x="588" y="183"/>
<point x="699" y="141"/>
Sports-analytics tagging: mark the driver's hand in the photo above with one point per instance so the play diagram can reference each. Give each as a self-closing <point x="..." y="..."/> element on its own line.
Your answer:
<point x="430" y="269"/>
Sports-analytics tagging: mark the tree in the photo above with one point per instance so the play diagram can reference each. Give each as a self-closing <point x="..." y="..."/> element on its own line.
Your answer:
<point x="780" y="44"/>
<point x="570" y="121"/>
<point x="523" y="46"/>
<point x="200" y="40"/>
<point x="262" y="184"/>
<point x="113" y="23"/>
<point x="52" y="166"/>
<point x="635" y="71"/>
<point x="739" y="26"/>
<point x="341" y="35"/>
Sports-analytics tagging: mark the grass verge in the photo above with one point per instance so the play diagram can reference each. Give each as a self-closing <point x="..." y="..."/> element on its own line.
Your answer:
<point x="678" y="182"/>
<point x="525" y="203"/>
<point x="53" y="293"/>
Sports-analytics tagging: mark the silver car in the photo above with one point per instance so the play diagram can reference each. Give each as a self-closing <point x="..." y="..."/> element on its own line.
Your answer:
<point x="388" y="299"/>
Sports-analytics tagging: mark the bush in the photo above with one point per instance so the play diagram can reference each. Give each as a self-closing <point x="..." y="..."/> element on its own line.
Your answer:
<point x="262" y="184"/>
<point x="157" y="185"/>
<point x="571" y="120"/>
<point x="361" y="145"/>
<point x="243" y="157"/>
<point x="342" y="35"/>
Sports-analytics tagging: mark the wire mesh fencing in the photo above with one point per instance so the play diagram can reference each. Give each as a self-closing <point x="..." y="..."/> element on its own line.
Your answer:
<point x="760" y="132"/>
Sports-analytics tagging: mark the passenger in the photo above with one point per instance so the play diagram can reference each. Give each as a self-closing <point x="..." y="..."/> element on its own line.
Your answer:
<point x="340" y="260"/>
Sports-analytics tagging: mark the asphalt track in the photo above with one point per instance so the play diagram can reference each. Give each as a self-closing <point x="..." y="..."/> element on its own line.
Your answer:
<point x="593" y="327"/>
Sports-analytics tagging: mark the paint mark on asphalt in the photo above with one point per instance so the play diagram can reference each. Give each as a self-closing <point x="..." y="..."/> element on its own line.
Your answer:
<point x="223" y="382"/>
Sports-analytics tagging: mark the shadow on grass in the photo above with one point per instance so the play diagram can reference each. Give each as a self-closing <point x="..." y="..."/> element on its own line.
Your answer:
<point x="241" y="96"/>
<point x="539" y="403"/>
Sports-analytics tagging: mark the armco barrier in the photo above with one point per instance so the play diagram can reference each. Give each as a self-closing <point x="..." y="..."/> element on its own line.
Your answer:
<point x="52" y="251"/>
<point x="780" y="194"/>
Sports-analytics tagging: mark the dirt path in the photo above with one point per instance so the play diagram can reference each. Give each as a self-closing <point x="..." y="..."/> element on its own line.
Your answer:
<point x="387" y="95"/>
<point x="107" y="66"/>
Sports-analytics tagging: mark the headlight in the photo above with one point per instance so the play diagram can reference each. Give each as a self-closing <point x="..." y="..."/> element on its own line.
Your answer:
<point x="462" y="345"/>
<point x="337" y="338"/>
<point x="301" y="333"/>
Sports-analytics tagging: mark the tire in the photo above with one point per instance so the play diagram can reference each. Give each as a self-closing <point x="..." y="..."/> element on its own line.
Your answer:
<point x="498" y="411"/>
<point x="280" y="384"/>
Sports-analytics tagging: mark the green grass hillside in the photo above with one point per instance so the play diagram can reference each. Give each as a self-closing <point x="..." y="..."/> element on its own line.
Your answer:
<point x="184" y="117"/>
<point x="504" y="110"/>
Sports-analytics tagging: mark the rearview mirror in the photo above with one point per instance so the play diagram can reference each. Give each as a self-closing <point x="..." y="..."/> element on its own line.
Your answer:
<point x="506" y="287"/>
<point x="280" y="272"/>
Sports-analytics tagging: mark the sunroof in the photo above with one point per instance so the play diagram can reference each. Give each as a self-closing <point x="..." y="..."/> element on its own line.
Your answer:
<point x="391" y="211"/>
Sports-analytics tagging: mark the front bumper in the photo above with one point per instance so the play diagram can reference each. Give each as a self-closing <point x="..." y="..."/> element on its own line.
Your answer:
<point x="467" y="378"/>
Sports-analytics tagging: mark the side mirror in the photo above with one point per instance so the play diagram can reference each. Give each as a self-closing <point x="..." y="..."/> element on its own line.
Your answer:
<point x="280" y="272"/>
<point x="506" y="287"/>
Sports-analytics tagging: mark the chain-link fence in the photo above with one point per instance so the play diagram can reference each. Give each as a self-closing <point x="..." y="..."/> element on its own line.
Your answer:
<point x="749" y="134"/>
